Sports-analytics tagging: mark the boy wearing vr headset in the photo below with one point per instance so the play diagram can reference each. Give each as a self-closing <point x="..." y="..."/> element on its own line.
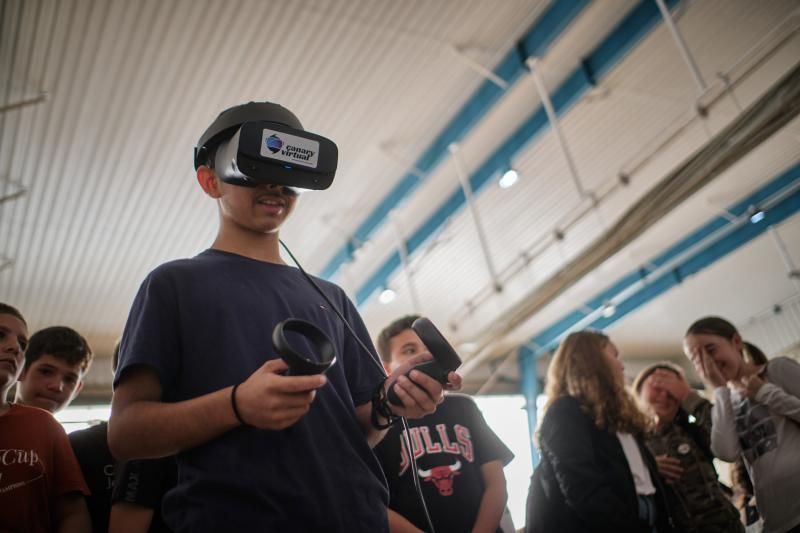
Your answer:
<point x="256" y="449"/>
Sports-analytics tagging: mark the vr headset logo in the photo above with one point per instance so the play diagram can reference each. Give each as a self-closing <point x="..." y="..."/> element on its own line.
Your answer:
<point x="273" y="143"/>
<point x="289" y="148"/>
<point x="264" y="143"/>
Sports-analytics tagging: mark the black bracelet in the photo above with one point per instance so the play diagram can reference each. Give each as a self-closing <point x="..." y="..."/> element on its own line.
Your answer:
<point x="236" y="409"/>
<point x="380" y="407"/>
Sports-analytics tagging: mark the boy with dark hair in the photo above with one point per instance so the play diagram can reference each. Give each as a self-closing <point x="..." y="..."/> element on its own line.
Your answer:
<point x="459" y="458"/>
<point x="57" y="359"/>
<point x="41" y="487"/>
<point x="257" y="450"/>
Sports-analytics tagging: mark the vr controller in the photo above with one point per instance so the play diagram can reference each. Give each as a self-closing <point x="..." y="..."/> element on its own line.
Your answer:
<point x="445" y="358"/>
<point x="300" y="364"/>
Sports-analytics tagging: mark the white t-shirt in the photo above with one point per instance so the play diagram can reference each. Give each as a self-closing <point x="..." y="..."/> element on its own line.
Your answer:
<point x="641" y="475"/>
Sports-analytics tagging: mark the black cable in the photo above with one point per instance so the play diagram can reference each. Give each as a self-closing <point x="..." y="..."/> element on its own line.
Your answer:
<point x="335" y="309"/>
<point x="406" y="430"/>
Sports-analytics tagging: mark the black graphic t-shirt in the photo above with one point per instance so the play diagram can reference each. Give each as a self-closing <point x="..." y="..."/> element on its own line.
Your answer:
<point x="450" y="446"/>
<point x="144" y="483"/>
<point x="97" y="464"/>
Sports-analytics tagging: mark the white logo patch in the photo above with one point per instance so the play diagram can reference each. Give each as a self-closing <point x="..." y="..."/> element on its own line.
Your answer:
<point x="289" y="148"/>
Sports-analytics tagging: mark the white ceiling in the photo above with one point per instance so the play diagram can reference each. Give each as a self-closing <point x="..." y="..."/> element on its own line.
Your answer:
<point x="105" y="160"/>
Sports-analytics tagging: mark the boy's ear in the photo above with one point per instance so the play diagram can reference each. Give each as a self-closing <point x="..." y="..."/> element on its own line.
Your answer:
<point x="208" y="180"/>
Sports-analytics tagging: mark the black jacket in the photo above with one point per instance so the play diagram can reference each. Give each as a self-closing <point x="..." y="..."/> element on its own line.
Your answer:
<point x="583" y="482"/>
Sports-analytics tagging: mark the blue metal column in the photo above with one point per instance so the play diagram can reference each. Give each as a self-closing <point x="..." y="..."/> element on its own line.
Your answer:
<point x="530" y="389"/>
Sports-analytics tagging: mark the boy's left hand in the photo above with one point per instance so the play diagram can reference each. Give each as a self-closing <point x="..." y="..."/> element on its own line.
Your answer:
<point x="421" y="393"/>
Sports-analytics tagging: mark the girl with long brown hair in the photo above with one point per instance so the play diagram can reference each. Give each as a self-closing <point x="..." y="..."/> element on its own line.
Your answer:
<point x="756" y="415"/>
<point x="595" y="474"/>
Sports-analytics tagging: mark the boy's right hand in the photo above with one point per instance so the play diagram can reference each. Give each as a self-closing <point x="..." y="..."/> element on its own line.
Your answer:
<point x="270" y="400"/>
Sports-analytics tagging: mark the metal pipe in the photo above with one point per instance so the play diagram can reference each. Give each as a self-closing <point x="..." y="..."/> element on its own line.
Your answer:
<point x="13" y="196"/>
<point x="791" y="270"/>
<point x="24" y="103"/>
<point x="553" y="118"/>
<point x="477" y="67"/>
<point x="684" y="49"/>
<point x="403" y="250"/>
<point x="385" y="148"/>
<point x="467" y="188"/>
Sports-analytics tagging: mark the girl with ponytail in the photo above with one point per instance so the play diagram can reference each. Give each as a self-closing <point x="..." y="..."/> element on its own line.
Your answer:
<point x="756" y="415"/>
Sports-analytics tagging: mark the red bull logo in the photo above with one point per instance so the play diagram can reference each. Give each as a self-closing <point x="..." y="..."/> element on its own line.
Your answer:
<point x="442" y="477"/>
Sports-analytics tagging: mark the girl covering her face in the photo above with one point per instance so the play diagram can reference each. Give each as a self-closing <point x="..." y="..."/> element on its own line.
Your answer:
<point x="756" y="415"/>
<point x="680" y="442"/>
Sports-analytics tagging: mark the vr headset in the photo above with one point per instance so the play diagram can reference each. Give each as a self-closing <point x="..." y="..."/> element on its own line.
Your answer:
<point x="264" y="143"/>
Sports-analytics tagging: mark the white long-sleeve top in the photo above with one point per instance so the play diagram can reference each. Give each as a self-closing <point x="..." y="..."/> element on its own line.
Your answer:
<point x="766" y="433"/>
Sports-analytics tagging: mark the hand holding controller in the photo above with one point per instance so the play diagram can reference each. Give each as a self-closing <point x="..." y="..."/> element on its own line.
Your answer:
<point x="445" y="358"/>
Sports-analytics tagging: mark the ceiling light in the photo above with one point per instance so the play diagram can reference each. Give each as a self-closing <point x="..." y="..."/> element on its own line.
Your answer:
<point x="509" y="178"/>
<point x="609" y="309"/>
<point x="387" y="296"/>
<point x="757" y="215"/>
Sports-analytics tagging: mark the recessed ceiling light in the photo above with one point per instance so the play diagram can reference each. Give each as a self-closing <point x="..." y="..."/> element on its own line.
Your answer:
<point x="508" y="179"/>
<point x="387" y="296"/>
<point x="609" y="309"/>
<point x="757" y="217"/>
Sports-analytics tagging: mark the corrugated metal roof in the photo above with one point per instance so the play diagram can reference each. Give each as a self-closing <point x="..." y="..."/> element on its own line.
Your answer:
<point x="131" y="85"/>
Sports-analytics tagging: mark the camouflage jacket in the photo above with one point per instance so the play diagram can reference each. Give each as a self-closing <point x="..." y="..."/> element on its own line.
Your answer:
<point x="697" y="501"/>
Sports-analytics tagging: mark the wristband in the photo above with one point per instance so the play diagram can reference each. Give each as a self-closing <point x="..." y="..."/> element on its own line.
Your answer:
<point x="236" y="409"/>
<point x="380" y="407"/>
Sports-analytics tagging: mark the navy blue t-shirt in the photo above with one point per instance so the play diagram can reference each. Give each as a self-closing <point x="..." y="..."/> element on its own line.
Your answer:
<point x="205" y="323"/>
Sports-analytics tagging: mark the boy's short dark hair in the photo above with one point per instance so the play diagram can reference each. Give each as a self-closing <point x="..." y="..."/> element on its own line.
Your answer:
<point x="391" y="331"/>
<point x="62" y="343"/>
<point x="6" y="309"/>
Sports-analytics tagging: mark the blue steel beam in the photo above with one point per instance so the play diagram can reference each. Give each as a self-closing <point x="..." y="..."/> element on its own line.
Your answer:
<point x="600" y="62"/>
<point x="535" y="42"/>
<point x="693" y="263"/>
<point x="531" y="390"/>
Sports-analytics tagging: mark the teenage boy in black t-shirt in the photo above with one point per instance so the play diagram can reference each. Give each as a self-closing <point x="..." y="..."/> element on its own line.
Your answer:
<point x="459" y="458"/>
<point x="256" y="449"/>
